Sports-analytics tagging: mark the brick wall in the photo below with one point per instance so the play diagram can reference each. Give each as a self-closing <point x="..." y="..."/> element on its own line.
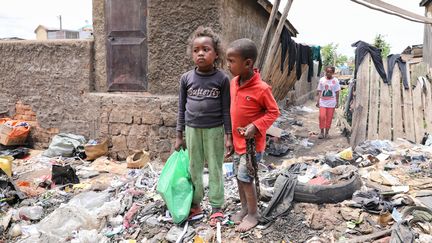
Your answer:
<point x="39" y="137"/>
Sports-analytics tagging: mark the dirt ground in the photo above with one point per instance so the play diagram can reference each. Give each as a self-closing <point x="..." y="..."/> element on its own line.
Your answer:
<point x="309" y="130"/>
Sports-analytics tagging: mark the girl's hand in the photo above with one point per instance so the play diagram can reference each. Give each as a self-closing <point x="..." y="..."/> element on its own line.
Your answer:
<point x="229" y="145"/>
<point x="180" y="142"/>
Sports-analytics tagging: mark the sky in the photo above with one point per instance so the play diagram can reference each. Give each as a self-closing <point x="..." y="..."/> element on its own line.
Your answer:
<point x="319" y="22"/>
<point x="19" y="18"/>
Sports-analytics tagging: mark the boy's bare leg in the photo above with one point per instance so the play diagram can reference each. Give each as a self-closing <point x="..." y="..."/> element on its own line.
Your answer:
<point x="251" y="219"/>
<point x="237" y="218"/>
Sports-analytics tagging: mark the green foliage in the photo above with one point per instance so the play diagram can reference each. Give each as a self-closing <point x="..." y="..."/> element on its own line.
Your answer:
<point x="382" y="44"/>
<point x="343" y="94"/>
<point x="330" y="56"/>
<point x="342" y="59"/>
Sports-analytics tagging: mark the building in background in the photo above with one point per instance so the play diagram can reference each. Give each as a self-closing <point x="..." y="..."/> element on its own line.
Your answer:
<point x="45" y="33"/>
<point x="86" y="32"/>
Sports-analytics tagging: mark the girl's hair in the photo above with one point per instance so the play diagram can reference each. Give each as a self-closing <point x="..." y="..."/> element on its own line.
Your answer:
<point x="332" y="68"/>
<point x="217" y="43"/>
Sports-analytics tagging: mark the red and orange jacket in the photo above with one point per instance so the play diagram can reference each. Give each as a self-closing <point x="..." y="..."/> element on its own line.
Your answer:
<point x="252" y="102"/>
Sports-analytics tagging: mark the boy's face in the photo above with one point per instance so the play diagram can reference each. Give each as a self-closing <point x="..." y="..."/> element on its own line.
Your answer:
<point x="203" y="53"/>
<point x="236" y="63"/>
<point x="329" y="73"/>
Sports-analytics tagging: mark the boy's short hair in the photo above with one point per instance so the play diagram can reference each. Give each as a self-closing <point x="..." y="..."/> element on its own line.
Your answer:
<point x="246" y="48"/>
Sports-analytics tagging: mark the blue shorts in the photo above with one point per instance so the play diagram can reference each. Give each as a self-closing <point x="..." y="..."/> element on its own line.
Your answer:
<point x="240" y="168"/>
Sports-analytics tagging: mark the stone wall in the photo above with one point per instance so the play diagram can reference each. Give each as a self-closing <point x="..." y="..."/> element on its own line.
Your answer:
<point x="51" y="76"/>
<point x="48" y="83"/>
<point x="135" y="122"/>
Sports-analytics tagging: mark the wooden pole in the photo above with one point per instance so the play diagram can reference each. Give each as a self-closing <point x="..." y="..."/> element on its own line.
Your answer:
<point x="275" y="41"/>
<point x="265" y="38"/>
<point x="371" y="237"/>
<point x="393" y="10"/>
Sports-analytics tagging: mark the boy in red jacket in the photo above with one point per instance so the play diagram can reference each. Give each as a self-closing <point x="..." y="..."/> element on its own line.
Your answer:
<point x="253" y="111"/>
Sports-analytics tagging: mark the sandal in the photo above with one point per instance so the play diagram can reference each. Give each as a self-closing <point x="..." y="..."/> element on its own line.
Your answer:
<point x="321" y="136"/>
<point x="195" y="213"/>
<point x="215" y="218"/>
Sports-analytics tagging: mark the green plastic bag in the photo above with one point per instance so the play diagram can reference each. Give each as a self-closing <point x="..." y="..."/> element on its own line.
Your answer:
<point x="175" y="186"/>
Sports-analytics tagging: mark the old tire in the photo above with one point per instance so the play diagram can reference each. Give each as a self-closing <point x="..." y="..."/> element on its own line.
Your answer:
<point x="327" y="193"/>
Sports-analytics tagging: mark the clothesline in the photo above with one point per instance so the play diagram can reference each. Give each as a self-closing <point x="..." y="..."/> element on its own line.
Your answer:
<point x="299" y="54"/>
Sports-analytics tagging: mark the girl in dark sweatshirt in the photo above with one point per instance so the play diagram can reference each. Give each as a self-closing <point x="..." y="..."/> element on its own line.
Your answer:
<point x="204" y="114"/>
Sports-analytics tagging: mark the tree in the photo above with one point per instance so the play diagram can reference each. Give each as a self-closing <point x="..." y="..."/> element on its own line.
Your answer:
<point x="328" y="54"/>
<point x="382" y="44"/>
<point x="331" y="57"/>
<point x="341" y="60"/>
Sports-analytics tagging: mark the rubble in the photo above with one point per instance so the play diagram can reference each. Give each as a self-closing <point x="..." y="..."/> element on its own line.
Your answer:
<point x="113" y="203"/>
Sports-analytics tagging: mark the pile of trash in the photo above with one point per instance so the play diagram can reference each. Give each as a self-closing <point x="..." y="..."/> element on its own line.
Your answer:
<point x="395" y="198"/>
<point x="379" y="189"/>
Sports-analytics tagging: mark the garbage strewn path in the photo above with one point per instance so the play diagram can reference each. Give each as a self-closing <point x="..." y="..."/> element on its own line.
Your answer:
<point x="312" y="190"/>
<point x="302" y="122"/>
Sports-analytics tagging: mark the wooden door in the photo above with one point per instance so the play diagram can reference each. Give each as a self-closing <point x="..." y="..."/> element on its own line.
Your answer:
<point x="126" y="44"/>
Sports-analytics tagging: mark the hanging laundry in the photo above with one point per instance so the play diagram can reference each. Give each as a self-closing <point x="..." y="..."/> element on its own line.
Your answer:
<point x="363" y="48"/>
<point x="391" y="61"/>
<point x="288" y="46"/>
<point x="316" y="56"/>
<point x="298" y="54"/>
<point x="304" y="56"/>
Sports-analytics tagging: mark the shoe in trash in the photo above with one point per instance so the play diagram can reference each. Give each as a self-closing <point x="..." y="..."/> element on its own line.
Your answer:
<point x="138" y="160"/>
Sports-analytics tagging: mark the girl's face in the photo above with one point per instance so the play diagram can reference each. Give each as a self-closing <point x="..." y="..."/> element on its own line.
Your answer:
<point x="203" y="53"/>
<point x="329" y="73"/>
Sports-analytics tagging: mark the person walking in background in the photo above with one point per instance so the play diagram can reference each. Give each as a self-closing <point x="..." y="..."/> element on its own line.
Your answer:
<point x="327" y="100"/>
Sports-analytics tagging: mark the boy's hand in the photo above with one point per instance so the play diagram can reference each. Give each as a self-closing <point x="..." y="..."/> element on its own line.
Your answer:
<point x="317" y="104"/>
<point x="337" y="105"/>
<point x="228" y="145"/>
<point x="180" y="142"/>
<point x="248" y="131"/>
<point x="251" y="129"/>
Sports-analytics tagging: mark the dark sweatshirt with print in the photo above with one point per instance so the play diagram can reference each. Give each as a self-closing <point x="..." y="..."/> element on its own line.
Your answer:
<point x="204" y="100"/>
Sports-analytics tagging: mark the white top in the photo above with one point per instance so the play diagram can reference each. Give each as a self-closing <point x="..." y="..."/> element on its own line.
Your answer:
<point x="328" y="88"/>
